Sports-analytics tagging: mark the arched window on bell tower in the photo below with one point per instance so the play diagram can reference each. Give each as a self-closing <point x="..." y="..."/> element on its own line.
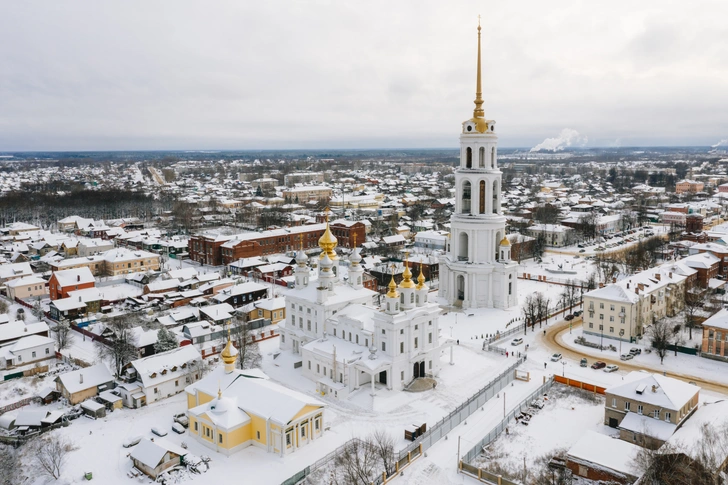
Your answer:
<point x="495" y="197"/>
<point x="482" y="197"/>
<point x="481" y="157"/>
<point x="466" y="198"/>
<point x="468" y="157"/>
<point x="492" y="157"/>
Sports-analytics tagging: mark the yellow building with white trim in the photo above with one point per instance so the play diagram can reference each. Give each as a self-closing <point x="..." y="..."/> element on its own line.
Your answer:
<point x="230" y="409"/>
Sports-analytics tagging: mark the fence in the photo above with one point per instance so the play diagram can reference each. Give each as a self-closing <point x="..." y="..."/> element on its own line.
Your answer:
<point x="498" y="429"/>
<point x="18" y="404"/>
<point x="580" y="384"/>
<point x="27" y="372"/>
<point x="433" y="434"/>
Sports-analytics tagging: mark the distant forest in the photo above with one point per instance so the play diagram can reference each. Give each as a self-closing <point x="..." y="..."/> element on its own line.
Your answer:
<point x="45" y="206"/>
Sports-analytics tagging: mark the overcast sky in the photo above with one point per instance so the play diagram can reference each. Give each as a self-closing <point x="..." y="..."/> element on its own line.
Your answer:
<point x="266" y="74"/>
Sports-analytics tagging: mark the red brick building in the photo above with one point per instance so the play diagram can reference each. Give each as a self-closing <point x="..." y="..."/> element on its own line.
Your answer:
<point x="217" y="250"/>
<point x="62" y="282"/>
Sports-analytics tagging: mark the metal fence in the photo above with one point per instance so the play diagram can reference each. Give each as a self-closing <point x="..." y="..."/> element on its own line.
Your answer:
<point x="498" y="429"/>
<point x="434" y="433"/>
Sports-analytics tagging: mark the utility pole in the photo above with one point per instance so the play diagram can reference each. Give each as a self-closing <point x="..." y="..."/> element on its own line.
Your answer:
<point x="458" y="454"/>
<point x="504" y="404"/>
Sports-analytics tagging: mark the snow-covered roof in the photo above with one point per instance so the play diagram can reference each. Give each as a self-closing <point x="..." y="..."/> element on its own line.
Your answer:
<point x="151" y="453"/>
<point x="92" y="405"/>
<point x="182" y="273"/>
<point x="604" y="451"/>
<point x="30" y="342"/>
<point x="719" y="320"/>
<point x="26" y="281"/>
<point x="74" y="276"/>
<point x="659" y="391"/>
<point x="647" y="425"/>
<point x="82" y="379"/>
<point x="271" y="304"/>
<point x="17" y="329"/>
<point x="165" y="366"/>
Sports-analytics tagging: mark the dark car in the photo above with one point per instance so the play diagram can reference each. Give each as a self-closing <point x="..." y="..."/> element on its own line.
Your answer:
<point x="569" y="317"/>
<point x="598" y="365"/>
<point x="577" y="313"/>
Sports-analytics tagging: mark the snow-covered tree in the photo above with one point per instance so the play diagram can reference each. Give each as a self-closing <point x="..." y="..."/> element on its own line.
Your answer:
<point x="165" y="341"/>
<point x="62" y="335"/>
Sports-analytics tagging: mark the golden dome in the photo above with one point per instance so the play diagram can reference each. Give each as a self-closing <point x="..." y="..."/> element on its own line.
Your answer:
<point x="505" y="242"/>
<point x="421" y="279"/>
<point x="328" y="242"/>
<point x="407" y="275"/>
<point x="392" y="293"/>
<point x="229" y="353"/>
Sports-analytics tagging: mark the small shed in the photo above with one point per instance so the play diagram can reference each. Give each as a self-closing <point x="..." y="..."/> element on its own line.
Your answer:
<point x="154" y="457"/>
<point x="93" y="409"/>
<point x="7" y="421"/>
<point x="54" y="417"/>
<point x="48" y="395"/>
<point x="30" y="420"/>
<point x="110" y="400"/>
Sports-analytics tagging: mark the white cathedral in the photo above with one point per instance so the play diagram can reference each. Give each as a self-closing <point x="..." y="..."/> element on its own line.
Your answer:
<point x="345" y="341"/>
<point x="477" y="270"/>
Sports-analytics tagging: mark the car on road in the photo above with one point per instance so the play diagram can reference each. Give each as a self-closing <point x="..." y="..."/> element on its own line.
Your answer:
<point x="635" y="351"/>
<point x="598" y="365"/>
<point x="582" y="250"/>
<point x="517" y="341"/>
<point x="611" y="368"/>
<point x="568" y="317"/>
<point x="555" y="357"/>
<point x="583" y="362"/>
<point x="626" y="357"/>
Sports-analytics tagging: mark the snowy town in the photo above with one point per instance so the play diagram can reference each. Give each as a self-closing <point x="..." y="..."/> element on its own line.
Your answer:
<point x="551" y="314"/>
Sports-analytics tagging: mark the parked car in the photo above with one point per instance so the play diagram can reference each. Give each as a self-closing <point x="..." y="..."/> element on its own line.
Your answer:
<point x="577" y="313"/>
<point x="598" y="365"/>
<point x="178" y="428"/>
<point x="159" y="431"/>
<point x="611" y="368"/>
<point x="583" y="362"/>
<point x="517" y="341"/>
<point x="133" y="441"/>
<point x="626" y="357"/>
<point x="182" y="419"/>
<point x="582" y="250"/>
<point x="635" y="351"/>
<point x="555" y="357"/>
<point x="568" y="317"/>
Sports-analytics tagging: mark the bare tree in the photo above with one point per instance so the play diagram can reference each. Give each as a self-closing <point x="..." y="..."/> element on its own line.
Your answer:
<point x="671" y="464"/>
<point x="694" y="301"/>
<point x="356" y="464"/>
<point x="62" y="335"/>
<point x="530" y="312"/>
<point x="3" y="306"/>
<point x="711" y="449"/>
<point x="542" y="308"/>
<point x="248" y="351"/>
<point x="661" y="335"/>
<point x="383" y="445"/>
<point x="9" y="466"/>
<point x="50" y="453"/>
<point x="122" y="347"/>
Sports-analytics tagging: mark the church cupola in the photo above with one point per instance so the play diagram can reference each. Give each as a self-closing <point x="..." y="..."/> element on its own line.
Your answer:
<point x="391" y="299"/>
<point x="328" y="242"/>
<point x="505" y="250"/>
<point x="229" y="355"/>
<point x="302" y="272"/>
<point x="356" y="272"/>
<point x="407" y="287"/>
<point x="421" y="289"/>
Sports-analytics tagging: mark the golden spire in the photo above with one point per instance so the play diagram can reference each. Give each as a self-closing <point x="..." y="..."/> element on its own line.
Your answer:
<point x="219" y="390"/>
<point x="229" y="353"/>
<point x="421" y="278"/>
<point x="478" y="111"/>
<point x="353" y="237"/>
<point x="327" y="241"/>
<point x="392" y="293"/>
<point x="407" y="275"/>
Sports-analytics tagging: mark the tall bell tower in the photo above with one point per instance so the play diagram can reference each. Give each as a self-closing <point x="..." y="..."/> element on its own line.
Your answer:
<point x="473" y="273"/>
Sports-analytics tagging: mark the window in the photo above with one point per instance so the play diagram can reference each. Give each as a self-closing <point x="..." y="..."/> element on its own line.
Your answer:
<point x="601" y="327"/>
<point x="357" y="338"/>
<point x="257" y="433"/>
<point x="309" y="365"/>
<point x="48" y="350"/>
<point x="601" y="306"/>
<point x="316" y="425"/>
<point x="614" y="402"/>
<point x="303" y="430"/>
<point x="611" y="318"/>
<point x="415" y="342"/>
<point x="384" y="346"/>
<point x="34" y="354"/>
<point x="591" y="325"/>
<point x="384" y="332"/>
<point x="429" y="364"/>
<point x="156" y="390"/>
<point x="656" y="414"/>
<point x="429" y="337"/>
<point x="288" y="439"/>
<point x="176" y="383"/>
<point x="219" y="438"/>
<point x="622" y="310"/>
<point x="601" y="316"/>
<point x="668" y="416"/>
<point x="611" y="307"/>
<point x="196" y="426"/>
<point x="611" y="329"/>
<point x="417" y="327"/>
<point x="283" y="338"/>
<point x="626" y="405"/>
<point x="318" y="368"/>
<point x="401" y="331"/>
<point x="639" y="409"/>
<point x="308" y="325"/>
<point x="401" y="347"/>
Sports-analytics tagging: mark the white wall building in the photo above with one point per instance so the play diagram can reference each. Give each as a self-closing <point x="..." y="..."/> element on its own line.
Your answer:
<point x="345" y="341"/>
<point x="477" y="270"/>
<point x="32" y="348"/>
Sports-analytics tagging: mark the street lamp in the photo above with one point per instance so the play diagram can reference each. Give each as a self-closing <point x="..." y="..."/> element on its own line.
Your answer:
<point x="563" y="369"/>
<point x="621" y="334"/>
<point x="601" y="339"/>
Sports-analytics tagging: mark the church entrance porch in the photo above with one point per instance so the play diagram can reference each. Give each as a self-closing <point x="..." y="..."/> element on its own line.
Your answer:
<point x="383" y="377"/>
<point x="419" y="369"/>
<point x="460" y="287"/>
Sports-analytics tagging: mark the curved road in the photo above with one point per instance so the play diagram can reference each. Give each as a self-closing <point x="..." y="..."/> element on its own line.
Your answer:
<point x="551" y="340"/>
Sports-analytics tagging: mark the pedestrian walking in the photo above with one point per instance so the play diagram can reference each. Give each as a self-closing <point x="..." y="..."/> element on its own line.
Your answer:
<point x="506" y="354"/>
<point x="544" y="365"/>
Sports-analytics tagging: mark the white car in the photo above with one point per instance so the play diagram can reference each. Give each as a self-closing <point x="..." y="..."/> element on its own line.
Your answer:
<point x="159" y="431"/>
<point x="517" y="341"/>
<point x="555" y="357"/>
<point x="611" y="368"/>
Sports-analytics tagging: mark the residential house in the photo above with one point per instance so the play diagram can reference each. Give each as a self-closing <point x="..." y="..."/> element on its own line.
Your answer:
<point x="242" y="294"/>
<point x="91" y="247"/>
<point x="686" y="186"/>
<point x="123" y="261"/>
<point x="154" y="457"/>
<point x="165" y="374"/>
<point x="603" y="459"/>
<point x="273" y="309"/>
<point x="26" y="288"/>
<point x="431" y="240"/>
<point x="26" y="350"/>
<point x="715" y="337"/>
<point x="13" y="331"/>
<point x="14" y="271"/>
<point x="554" y="235"/>
<point x="78" y="385"/>
<point x="648" y="408"/>
<point x="62" y="282"/>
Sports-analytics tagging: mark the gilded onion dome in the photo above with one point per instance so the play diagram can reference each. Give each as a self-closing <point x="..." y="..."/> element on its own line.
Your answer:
<point x="229" y="353"/>
<point x="327" y="241"/>
<point x="421" y="279"/>
<point x="407" y="275"/>
<point x="505" y="242"/>
<point x="392" y="293"/>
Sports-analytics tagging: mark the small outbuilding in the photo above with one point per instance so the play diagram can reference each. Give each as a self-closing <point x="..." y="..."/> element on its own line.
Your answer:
<point x="94" y="409"/>
<point x="154" y="457"/>
<point x="110" y="400"/>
